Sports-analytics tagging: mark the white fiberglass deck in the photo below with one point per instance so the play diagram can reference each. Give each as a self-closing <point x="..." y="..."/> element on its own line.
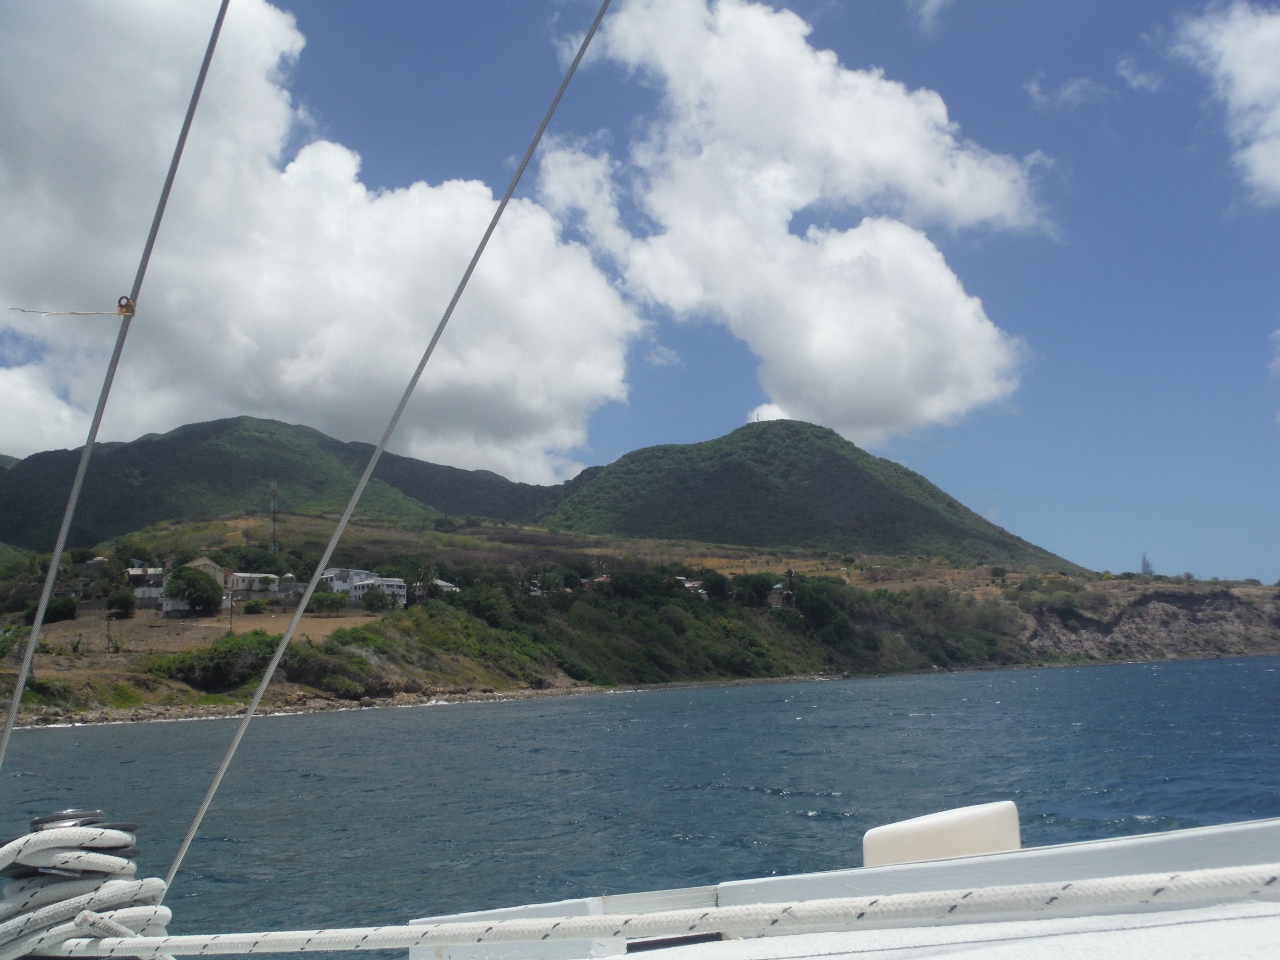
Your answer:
<point x="1239" y="931"/>
<point x="1192" y="930"/>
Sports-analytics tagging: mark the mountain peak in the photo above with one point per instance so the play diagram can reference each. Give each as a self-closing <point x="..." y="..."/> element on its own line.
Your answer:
<point x="775" y="483"/>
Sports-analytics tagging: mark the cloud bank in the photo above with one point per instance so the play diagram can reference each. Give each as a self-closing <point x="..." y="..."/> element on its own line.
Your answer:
<point x="775" y="192"/>
<point x="1238" y="49"/>
<point x="292" y="292"/>
<point x="865" y="328"/>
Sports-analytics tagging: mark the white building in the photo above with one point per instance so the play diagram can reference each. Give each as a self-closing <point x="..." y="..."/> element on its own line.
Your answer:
<point x="393" y="587"/>
<point x="252" y="582"/>
<point x="341" y="579"/>
<point x="145" y="576"/>
<point x="422" y="592"/>
<point x="356" y="583"/>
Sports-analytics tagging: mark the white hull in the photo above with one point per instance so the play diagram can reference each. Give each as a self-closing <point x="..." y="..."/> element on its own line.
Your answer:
<point x="1214" y="925"/>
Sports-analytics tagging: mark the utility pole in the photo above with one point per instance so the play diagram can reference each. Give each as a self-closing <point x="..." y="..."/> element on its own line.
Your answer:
<point x="275" y="520"/>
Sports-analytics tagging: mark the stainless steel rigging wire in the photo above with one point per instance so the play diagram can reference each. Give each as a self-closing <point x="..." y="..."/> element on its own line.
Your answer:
<point x="377" y="455"/>
<point x="126" y="317"/>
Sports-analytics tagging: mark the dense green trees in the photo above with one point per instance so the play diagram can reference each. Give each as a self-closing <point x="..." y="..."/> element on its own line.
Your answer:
<point x="641" y="626"/>
<point x="60" y="608"/>
<point x="375" y="600"/>
<point x="326" y="601"/>
<point x="202" y="593"/>
<point x="121" y="603"/>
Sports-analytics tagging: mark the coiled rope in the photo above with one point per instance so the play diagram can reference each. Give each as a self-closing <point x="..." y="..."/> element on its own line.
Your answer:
<point x="125" y="308"/>
<point x="1029" y="901"/>
<point x="73" y="876"/>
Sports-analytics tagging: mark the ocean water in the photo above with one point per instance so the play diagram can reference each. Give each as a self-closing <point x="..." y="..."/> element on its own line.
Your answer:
<point x="383" y="815"/>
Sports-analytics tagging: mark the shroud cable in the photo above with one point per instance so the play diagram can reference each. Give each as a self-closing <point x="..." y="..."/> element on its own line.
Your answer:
<point x="126" y="317"/>
<point x="377" y="454"/>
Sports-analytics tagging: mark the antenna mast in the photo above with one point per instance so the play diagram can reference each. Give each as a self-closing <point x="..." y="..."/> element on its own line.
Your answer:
<point x="275" y="520"/>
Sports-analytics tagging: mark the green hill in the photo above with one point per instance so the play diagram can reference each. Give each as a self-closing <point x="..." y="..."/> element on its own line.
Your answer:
<point x="785" y="483"/>
<point x="458" y="492"/>
<point x="199" y="470"/>
<point x="6" y="461"/>
<point x="10" y="555"/>
<point x="775" y="484"/>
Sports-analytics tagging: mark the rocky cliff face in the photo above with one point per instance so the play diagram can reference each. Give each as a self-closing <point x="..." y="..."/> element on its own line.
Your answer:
<point x="1125" y="622"/>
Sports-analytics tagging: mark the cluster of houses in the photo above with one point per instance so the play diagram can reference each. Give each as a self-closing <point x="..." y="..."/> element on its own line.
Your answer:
<point x="356" y="583"/>
<point x="148" y="585"/>
<point x="694" y="585"/>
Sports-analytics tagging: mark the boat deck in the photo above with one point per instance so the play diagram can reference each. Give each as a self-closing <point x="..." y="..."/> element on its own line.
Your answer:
<point x="1240" y="931"/>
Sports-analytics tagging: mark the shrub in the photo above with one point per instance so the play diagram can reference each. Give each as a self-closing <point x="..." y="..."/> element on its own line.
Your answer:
<point x="489" y="604"/>
<point x="375" y="600"/>
<point x="716" y="584"/>
<point x="326" y="601"/>
<point x="255" y="606"/>
<point x="121" y="604"/>
<point x="60" y="608"/>
<point x="226" y="664"/>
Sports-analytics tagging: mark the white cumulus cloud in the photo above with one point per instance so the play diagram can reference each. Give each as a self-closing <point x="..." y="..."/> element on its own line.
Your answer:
<point x="775" y="191"/>
<point x="1135" y="77"/>
<point x="1238" y="49"/>
<point x="927" y="12"/>
<point x="759" y="139"/>
<point x="1068" y="95"/>
<point x="278" y="289"/>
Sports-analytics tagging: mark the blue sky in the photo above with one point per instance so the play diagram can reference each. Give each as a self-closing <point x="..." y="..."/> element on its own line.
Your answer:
<point x="1146" y="416"/>
<point x="1113" y="394"/>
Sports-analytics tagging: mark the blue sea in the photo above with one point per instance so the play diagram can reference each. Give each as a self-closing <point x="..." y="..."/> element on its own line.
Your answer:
<point x="379" y="816"/>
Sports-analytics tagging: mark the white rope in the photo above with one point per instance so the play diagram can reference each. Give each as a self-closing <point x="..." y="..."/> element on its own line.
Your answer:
<point x="74" y="882"/>
<point x="981" y="903"/>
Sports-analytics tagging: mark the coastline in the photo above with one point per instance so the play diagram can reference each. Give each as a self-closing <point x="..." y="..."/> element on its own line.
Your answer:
<point x="313" y="702"/>
<point x="310" y="702"/>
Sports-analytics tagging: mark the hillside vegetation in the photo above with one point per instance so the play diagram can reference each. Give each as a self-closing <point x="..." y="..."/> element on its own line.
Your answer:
<point x="785" y="483"/>
<point x="202" y="470"/>
<point x="539" y="611"/>
<point x="776" y="484"/>
<point x="645" y="628"/>
<point x="641" y="626"/>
